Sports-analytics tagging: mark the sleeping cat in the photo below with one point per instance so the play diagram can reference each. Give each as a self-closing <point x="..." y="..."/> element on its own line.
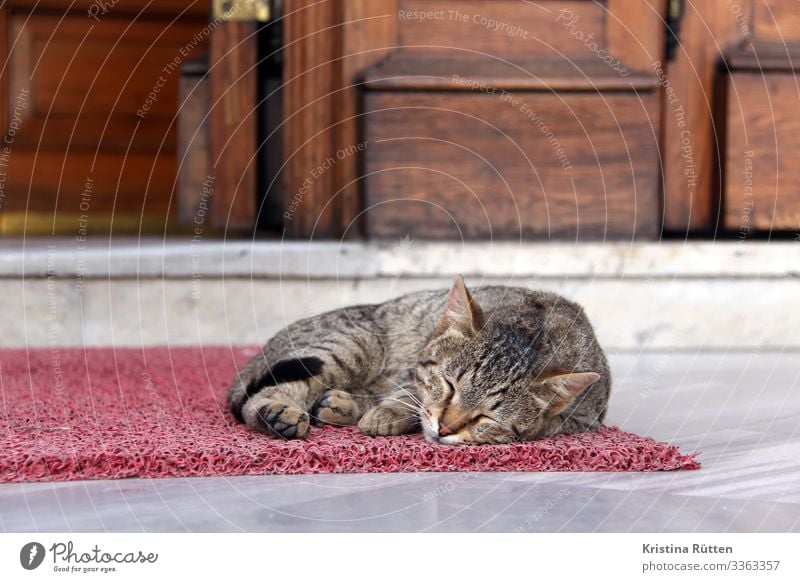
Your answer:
<point x="507" y="364"/>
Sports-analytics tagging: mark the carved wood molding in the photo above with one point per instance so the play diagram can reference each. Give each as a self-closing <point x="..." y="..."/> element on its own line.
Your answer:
<point x="326" y="46"/>
<point x="233" y="125"/>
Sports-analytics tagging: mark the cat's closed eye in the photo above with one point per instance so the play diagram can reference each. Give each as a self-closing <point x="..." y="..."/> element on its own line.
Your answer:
<point x="450" y="387"/>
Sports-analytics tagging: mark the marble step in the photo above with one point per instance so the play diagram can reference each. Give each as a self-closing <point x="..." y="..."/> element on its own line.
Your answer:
<point x="640" y="296"/>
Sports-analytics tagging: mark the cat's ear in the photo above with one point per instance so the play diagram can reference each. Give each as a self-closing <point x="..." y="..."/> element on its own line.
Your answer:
<point x="461" y="311"/>
<point x="563" y="388"/>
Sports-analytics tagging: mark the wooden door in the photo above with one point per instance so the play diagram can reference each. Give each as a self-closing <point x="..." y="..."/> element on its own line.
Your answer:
<point x="724" y="120"/>
<point x="761" y="111"/>
<point x="697" y="142"/>
<point x="693" y="132"/>
<point x="374" y="88"/>
<point x="730" y="126"/>
<point x="233" y="110"/>
<point x="88" y="101"/>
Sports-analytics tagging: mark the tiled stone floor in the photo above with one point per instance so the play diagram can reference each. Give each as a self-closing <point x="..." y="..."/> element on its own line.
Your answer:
<point x="742" y="410"/>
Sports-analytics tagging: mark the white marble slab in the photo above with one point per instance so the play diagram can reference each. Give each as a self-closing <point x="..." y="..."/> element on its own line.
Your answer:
<point x="183" y="257"/>
<point x="642" y="296"/>
<point x="630" y="315"/>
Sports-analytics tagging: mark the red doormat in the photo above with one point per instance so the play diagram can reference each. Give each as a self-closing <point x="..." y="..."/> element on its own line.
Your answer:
<point x="108" y="414"/>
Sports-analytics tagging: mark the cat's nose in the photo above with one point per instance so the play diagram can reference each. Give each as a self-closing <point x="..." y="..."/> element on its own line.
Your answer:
<point x="444" y="430"/>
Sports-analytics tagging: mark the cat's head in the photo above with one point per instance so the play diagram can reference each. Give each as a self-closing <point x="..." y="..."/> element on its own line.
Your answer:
<point x="472" y="381"/>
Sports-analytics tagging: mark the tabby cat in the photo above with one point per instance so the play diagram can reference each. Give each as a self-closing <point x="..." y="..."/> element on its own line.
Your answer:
<point x="505" y="364"/>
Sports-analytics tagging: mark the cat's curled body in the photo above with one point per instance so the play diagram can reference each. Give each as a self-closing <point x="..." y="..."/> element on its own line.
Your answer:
<point x="501" y="365"/>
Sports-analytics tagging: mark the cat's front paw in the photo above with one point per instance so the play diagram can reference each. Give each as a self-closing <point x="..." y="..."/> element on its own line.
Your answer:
<point x="283" y="420"/>
<point x="387" y="420"/>
<point x="336" y="407"/>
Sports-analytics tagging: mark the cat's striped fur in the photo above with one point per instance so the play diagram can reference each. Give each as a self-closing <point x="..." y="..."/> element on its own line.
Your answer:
<point x="507" y="364"/>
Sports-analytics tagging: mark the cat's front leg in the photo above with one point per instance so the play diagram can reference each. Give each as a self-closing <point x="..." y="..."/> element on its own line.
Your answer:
<point x="337" y="408"/>
<point x="396" y="414"/>
<point x="279" y="411"/>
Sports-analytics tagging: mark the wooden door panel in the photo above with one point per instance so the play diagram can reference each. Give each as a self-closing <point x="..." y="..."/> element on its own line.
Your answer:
<point x="96" y="77"/>
<point x="762" y="177"/>
<point x="98" y="10"/>
<point x="327" y="46"/>
<point x="329" y="52"/>
<point x="500" y="27"/>
<point x="776" y="20"/>
<point x="123" y="184"/>
<point x="100" y="95"/>
<point x="691" y="132"/>
<point x="232" y="125"/>
<point x="454" y="165"/>
<point x="636" y="31"/>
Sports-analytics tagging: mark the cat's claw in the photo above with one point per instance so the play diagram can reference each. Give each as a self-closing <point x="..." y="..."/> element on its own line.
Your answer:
<point x="283" y="420"/>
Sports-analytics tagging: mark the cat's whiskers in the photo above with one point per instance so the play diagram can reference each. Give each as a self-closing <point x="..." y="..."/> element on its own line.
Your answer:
<point x="410" y="417"/>
<point x="411" y="395"/>
<point x="403" y="402"/>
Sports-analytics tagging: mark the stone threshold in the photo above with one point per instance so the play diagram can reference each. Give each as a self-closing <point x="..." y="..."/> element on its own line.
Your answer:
<point x="181" y="258"/>
<point x="643" y="296"/>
